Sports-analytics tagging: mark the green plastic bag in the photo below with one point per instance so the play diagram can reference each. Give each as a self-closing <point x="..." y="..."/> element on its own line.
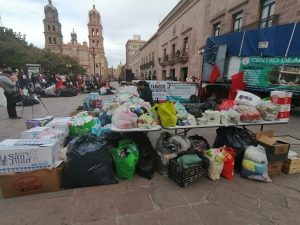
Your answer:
<point x="81" y="130"/>
<point x="167" y="114"/>
<point x="125" y="157"/>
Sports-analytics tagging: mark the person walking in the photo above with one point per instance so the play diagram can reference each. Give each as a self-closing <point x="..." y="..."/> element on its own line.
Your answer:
<point x="8" y="82"/>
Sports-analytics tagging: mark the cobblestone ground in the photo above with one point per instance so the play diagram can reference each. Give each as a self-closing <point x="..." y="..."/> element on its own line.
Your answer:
<point x="158" y="201"/>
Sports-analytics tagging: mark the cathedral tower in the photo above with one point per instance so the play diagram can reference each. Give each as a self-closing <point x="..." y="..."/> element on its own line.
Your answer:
<point x="52" y="29"/>
<point x="96" y="41"/>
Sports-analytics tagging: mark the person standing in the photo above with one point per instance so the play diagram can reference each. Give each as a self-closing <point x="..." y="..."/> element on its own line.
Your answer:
<point x="145" y="92"/>
<point x="8" y="82"/>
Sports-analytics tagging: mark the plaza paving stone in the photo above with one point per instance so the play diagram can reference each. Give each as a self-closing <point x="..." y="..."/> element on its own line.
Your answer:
<point x="158" y="201"/>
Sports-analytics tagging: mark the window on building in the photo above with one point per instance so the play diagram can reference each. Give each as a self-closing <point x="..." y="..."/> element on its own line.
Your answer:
<point x="98" y="44"/>
<point x="53" y="16"/>
<point x="164" y="74"/>
<point x="152" y="56"/>
<point x="53" y="27"/>
<point x="217" y="29"/>
<point x="93" y="32"/>
<point x="97" y="32"/>
<point x="267" y="12"/>
<point x="146" y="58"/>
<point x="165" y="52"/>
<point x="49" y="40"/>
<point x="237" y="21"/>
<point x="54" y="41"/>
<point x="173" y="50"/>
<point x="49" y="28"/>
<point x="185" y="45"/>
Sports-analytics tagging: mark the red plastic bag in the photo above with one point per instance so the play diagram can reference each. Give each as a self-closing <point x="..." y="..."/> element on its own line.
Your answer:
<point x="226" y="105"/>
<point x="228" y="169"/>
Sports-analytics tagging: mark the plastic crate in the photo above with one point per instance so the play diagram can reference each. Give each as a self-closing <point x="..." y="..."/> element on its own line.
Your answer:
<point x="187" y="177"/>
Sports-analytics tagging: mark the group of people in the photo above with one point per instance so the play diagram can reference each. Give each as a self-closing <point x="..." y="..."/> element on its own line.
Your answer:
<point x="12" y="84"/>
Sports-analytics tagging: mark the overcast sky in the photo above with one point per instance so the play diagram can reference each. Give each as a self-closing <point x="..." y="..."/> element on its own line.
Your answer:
<point x="121" y="19"/>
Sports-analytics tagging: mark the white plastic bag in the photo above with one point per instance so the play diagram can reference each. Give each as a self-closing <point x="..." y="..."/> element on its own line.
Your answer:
<point x="216" y="159"/>
<point x="3" y="101"/>
<point x="247" y="98"/>
<point x="191" y="119"/>
<point x="255" y="164"/>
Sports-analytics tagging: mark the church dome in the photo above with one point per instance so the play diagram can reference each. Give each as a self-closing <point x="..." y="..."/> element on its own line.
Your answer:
<point x="94" y="11"/>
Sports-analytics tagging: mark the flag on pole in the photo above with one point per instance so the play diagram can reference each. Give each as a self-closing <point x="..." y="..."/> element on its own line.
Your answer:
<point x="215" y="73"/>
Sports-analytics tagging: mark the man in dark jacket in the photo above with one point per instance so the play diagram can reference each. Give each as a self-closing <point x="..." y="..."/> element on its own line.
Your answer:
<point x="145" y="92"/>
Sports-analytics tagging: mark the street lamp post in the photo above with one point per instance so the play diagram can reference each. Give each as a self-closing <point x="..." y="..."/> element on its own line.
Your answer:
<point x="69" y="66"/>
<point x="93" y="54"/>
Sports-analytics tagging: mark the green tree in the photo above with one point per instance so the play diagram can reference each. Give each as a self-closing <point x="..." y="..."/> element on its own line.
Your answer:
<point x="15" y="52"/>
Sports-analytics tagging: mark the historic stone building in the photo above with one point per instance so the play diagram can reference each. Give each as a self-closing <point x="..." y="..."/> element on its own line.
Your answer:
<point x="132" y="47"/>
<point x="177" y="44"/>
<point x="90" y="56"/>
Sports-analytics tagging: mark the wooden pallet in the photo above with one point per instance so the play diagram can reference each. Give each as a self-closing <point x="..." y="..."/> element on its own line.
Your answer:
<point x="291" y="166"/>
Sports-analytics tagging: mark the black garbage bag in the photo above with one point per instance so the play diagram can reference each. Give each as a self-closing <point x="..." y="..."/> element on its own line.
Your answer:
<point x="194" y="110"/>
<point x="29" y="100"/>
<point x="68" y="92"/>
<point x="146" y="164"/>
<point x="198" y="143"/>
<point x="89" y="163"/>
<point x="237" y="138"/>
<point x="39" y="91"/>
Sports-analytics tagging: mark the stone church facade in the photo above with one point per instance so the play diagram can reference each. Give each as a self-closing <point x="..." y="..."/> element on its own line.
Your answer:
<point x="90" y="56"/>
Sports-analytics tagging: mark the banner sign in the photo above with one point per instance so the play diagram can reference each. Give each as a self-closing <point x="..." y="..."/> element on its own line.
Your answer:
<point x="159" y="90"/>
<point x="274" y="72"/>
<point x="173" y="91"/>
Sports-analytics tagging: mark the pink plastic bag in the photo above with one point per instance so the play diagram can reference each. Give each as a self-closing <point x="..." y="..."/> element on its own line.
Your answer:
<point x="125" y="120"/>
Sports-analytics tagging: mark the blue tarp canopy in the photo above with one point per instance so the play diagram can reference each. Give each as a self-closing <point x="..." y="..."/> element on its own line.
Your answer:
<point x="282" y="41"/>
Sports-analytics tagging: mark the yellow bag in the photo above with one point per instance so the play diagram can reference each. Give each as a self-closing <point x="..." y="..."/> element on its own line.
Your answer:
<point x="167" y="114"/>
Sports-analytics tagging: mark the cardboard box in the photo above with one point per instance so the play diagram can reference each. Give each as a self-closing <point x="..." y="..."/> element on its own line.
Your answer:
<point x="275" y="168"/>
<point x="61" y="123"/>
<point x="39" y="181"/>
<point x="276" y="150"/>
<point x="39" y="122"/>
<point x="32" y="132"/>
<point x="23" y="155"/>
<point x="291" y="166"/>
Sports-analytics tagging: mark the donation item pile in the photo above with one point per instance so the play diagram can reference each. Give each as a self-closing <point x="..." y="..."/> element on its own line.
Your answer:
<point x="87" y="149"/>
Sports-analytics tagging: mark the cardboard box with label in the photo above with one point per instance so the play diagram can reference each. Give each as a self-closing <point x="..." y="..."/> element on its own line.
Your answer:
<point x="23" y="155"/>
<point x="39" y="181"/>
<point x="276" y="149"/>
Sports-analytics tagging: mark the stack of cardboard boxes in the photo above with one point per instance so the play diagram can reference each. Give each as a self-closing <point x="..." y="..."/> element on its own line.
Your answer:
<point x="32" y="165"/>
<point x="276" y="150"/>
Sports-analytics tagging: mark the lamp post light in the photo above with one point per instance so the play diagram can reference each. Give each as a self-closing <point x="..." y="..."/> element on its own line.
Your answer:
<point x="151" y="72"/>
<point x="69" y="66"/>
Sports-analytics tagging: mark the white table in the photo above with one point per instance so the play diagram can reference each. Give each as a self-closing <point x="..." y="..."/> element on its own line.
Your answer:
<point x="244" y="125"/>
<point x="115" y="129"/>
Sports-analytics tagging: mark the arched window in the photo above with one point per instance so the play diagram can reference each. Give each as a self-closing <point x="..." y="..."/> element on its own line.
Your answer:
<point x="97" y="32"/>
<point x="49" y="40"/>
<point x="53" y="27"/>
<point x="93" y="32"/>
<point x="98" y="44"/>
<point x="54" y="41"/>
